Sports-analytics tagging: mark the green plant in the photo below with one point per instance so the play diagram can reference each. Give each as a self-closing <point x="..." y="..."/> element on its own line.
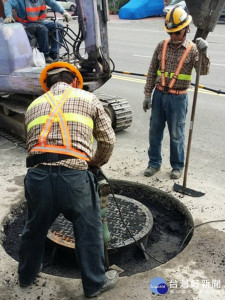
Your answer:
<point x="115" y="5"/>
<point x="122" y="3"/>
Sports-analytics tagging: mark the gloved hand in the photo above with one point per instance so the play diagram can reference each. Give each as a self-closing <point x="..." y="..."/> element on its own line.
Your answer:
<point x="9" y="19"/>
<point x="202" y="45"/>
<point x="147" y="103"/>
<point x="67" y="16"/>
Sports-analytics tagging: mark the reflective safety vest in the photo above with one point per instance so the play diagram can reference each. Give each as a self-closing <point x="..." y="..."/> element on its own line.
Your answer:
<point x="176" y="75"/>
<point x="56" y="115"/>
<point x="35" y="11"/>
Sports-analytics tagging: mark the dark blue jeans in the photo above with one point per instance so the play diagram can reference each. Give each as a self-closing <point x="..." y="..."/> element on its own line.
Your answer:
<point x="45" y="31"/>
<point x="53" y="190"/>
<point x="173" y="110"/>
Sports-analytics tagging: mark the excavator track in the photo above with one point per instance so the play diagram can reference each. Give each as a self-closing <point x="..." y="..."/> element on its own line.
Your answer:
<point x="18" y="141"/>
<point x="13" y="108"/>
<point x="13" y="105"/>
<point x="12" y="113"/>
<point x="118" y="109"/>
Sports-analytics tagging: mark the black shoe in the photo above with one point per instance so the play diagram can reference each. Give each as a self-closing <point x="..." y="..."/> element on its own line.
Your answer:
<point x="48" y="59"/>
<point x="150" y="171"/>
<point x="24" y="284"/>
<point x="53" y="55"/>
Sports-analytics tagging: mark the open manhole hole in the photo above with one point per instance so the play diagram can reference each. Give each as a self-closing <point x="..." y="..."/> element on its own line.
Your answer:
<point x="158" y="222"/>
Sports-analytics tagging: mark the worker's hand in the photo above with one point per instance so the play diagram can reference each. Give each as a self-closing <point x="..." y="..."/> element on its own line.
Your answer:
<point x="147" y="103"/>
<point x="67" y="16"/>
<point x="9" y="19"/>
<point x="202" y="45"/>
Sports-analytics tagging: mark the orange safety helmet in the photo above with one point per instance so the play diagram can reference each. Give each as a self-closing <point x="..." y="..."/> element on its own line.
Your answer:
<point x="177" y="19"/>
<point x="64" y="66"/>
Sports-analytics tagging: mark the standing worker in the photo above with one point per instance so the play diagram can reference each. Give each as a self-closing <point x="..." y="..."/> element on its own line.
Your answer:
<point x="60" y="126"/>
<point x="169" y="75"/>
<point x="32" y="14"/>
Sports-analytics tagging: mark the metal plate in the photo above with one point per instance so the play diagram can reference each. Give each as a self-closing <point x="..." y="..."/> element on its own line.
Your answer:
<point x="136" y="216"/>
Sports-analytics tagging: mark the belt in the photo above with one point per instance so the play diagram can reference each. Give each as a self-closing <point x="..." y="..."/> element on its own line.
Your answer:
<point x="167" y="90"/>
<point x="37" y="159"/>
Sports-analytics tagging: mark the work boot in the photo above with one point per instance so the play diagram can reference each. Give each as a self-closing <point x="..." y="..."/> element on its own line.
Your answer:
<point x="111" y="280"/>
<point x="53" y="55"/>
<point x="48" y="59"/>
<point x="150" y="171"/>
<point x="24" y="284"/>
<point x="176" y="174"/>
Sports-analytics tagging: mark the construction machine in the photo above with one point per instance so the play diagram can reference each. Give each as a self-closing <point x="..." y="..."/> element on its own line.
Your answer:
<point x="86" y="47"/>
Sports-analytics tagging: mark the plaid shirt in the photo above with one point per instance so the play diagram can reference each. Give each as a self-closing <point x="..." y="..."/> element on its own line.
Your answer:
<point x="81" y="134"/>
<point x="173" y="57"/>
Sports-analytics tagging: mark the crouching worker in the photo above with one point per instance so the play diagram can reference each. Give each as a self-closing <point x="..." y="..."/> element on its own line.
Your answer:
<point x="33" y="13"/>
<point x="60" y="126"/>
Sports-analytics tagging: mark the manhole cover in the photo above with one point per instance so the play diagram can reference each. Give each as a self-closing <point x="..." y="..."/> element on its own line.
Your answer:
<point x="136" y="216"/>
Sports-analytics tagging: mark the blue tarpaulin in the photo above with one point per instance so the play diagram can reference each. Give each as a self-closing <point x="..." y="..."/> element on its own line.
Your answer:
<point x="138" y="9"/>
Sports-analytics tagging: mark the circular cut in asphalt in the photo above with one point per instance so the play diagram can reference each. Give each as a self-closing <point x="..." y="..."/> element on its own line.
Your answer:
<point x="172" y="223"/>
<point x="128" y="221"/>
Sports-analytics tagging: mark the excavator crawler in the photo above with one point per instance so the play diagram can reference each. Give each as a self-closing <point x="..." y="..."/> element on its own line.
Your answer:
<point x="86" y="48"/>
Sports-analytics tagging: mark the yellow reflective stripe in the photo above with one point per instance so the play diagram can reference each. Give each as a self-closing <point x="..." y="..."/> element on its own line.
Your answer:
<point x="79" y="94"/>
<point x="37" y="121"/>
<point x="37" y="101"/>
<point x="42" y="99"/>
<point x="68" y="116"/>
<point x="180" y="76"/>
<point x="75" y="94"/>
<point x="79" y="118"/>
<point x="159" y="73"/>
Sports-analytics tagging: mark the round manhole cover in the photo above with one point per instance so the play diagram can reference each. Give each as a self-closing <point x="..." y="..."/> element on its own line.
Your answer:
<point x="136" y="217"/>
